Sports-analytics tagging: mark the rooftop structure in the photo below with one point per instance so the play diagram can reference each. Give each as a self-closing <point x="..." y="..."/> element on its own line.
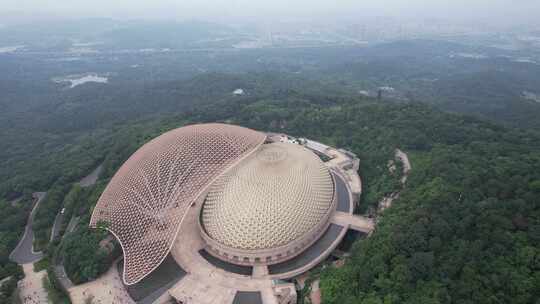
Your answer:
<point x="145" y="202"/>
<point x="269" y="207"/>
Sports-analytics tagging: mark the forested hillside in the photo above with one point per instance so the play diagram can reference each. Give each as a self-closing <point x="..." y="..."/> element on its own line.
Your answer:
<point x="465" y="230"/>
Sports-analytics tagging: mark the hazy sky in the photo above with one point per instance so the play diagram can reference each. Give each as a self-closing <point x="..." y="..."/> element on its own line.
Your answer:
<point x="507" y="10"/>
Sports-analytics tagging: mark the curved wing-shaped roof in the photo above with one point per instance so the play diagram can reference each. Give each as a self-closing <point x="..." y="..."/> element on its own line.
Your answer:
<point x="146" y="200"/>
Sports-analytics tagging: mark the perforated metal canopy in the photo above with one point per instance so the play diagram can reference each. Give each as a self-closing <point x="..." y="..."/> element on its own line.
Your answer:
<point x="273" y="197"/>
<point x="146" y="200"/>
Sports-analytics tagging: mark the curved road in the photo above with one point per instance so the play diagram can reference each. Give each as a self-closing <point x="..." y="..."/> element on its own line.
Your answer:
<point x="85" y="182"/>
<point x="24" y="252"/>
<point x="59" y="268"/>
<point x="91" y="178"/>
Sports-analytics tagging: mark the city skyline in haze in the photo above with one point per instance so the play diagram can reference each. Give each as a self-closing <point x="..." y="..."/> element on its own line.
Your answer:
<point x="495" y="12"/>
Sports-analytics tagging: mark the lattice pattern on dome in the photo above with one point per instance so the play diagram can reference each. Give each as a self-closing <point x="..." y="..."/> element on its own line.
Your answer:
<point x="275" y="196"/>
<point x="147" y="198"/>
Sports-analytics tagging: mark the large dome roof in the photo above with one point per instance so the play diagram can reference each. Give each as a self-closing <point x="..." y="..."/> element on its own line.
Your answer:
<point x="147" y="199"/>
<point x="275" y="196"/>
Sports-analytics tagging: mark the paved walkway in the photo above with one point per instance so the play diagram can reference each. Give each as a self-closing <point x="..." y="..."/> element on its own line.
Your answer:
<point x="24" y="252"/>
<point x="107" y="289"/>
<point x="31" y="290"/>
<point x="402" y="156"/>
<point x="192" y="290"/>
<point x="355" y="222"/>
<point x="386" y="202"/>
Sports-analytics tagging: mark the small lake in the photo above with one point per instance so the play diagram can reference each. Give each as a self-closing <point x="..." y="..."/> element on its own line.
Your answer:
<point x="77" y="80"/>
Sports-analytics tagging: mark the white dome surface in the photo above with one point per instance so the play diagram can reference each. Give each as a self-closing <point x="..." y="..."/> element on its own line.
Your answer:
<point x="275" y="196"/>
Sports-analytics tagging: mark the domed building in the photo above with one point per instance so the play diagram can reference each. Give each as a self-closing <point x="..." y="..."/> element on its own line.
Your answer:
<point x="270" y="207"/>
<point x="255" y="206"/>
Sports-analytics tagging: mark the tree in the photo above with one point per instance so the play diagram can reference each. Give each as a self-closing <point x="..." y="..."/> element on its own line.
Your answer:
<point x="535" y="186"/>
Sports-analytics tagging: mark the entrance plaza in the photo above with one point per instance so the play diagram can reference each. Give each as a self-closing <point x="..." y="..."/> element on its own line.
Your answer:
<point x="289" y="210"/>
